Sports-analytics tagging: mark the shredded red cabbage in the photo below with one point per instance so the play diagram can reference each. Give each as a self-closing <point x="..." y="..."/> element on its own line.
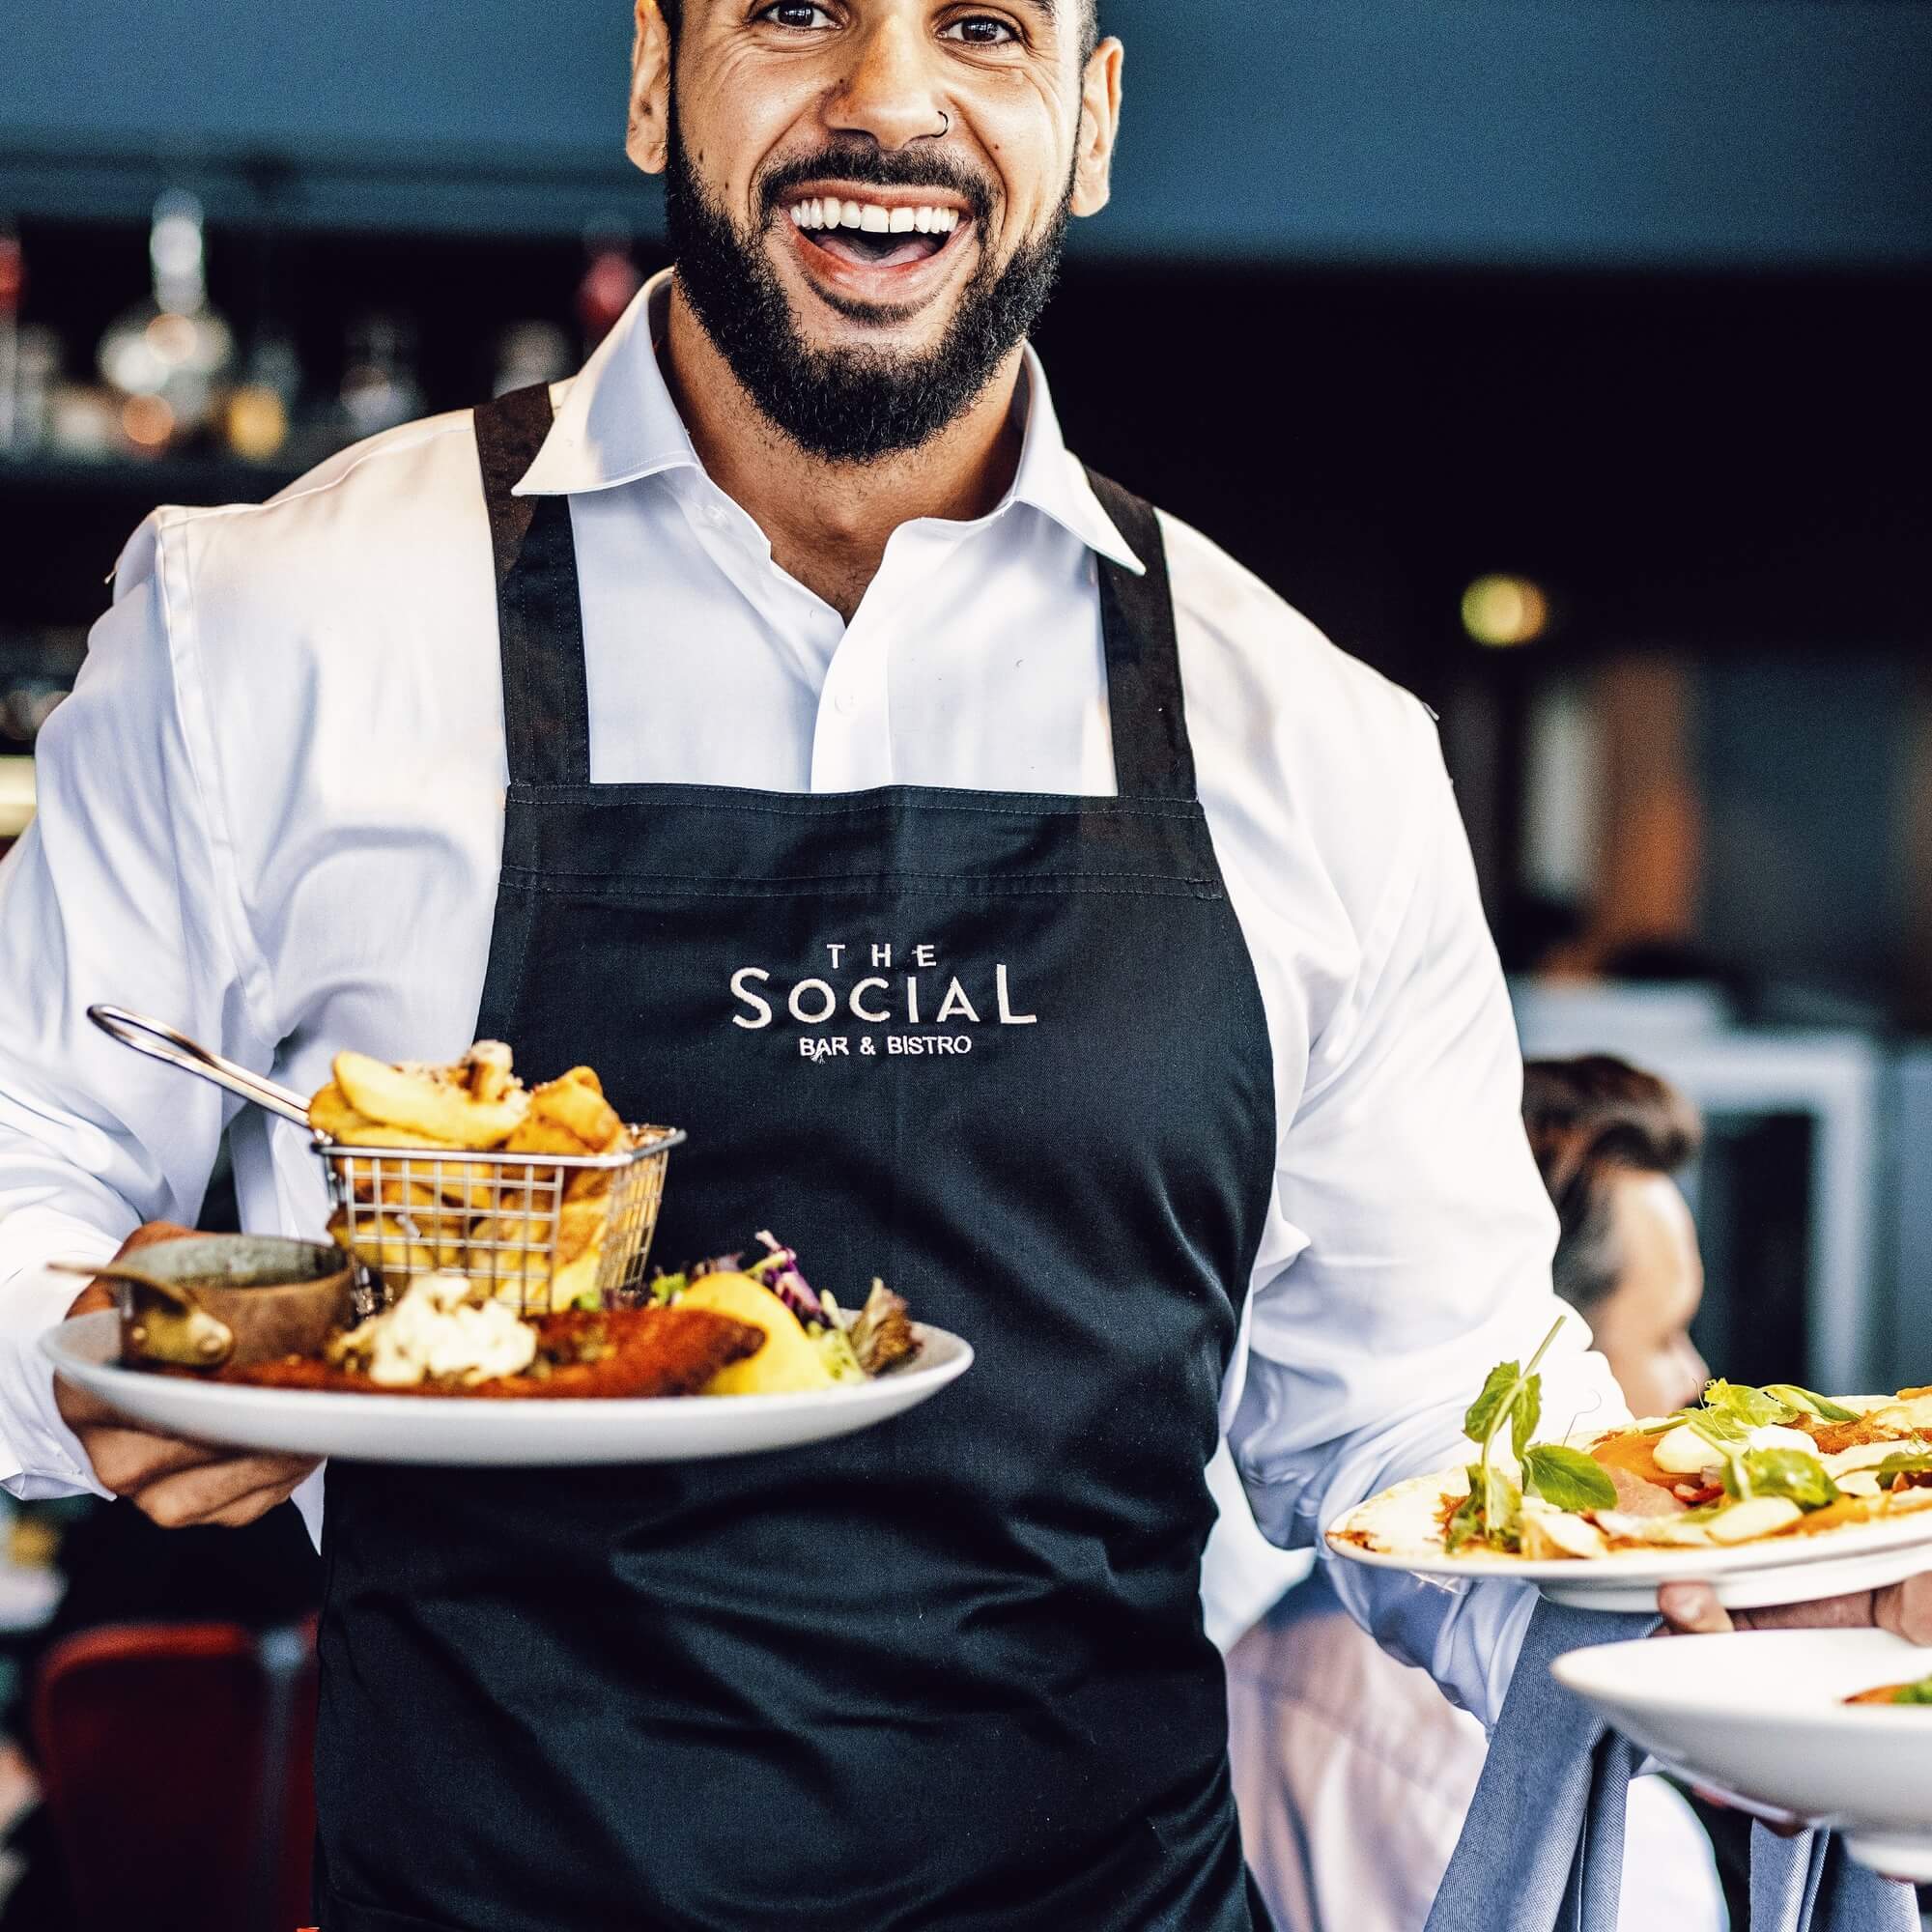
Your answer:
<point x="779" y="1271"/>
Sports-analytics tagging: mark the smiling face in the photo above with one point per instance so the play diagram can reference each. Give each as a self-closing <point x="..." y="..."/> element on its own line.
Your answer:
<point x="868" y="198"/>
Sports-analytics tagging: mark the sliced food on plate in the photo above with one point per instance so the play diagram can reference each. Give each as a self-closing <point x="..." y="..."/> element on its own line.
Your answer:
<point x="713" y="1329"/>
<point x="1744" y="1466"/>
<point x="1918" y="1691"/>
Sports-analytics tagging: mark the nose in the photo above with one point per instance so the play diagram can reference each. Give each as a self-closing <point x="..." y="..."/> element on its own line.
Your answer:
<point x="887" y="93"/>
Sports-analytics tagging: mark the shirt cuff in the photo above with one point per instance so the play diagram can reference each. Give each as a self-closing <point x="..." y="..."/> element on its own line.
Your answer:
<point x="40" y="1455"/>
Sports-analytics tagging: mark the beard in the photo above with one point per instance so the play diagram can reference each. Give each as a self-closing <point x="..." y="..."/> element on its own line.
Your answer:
<point x="855" y="405"/>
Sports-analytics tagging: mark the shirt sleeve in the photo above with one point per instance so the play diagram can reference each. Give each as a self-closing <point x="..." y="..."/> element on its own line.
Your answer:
<point x="113" y="894"/>
<point x="1419" y="1256"/>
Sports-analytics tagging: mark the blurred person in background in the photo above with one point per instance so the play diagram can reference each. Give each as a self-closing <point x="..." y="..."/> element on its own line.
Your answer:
<point x="1353" y="1772"/>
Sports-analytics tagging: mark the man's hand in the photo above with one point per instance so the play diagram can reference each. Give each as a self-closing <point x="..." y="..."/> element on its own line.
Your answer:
<point x="175" y="1481"/>
<point x="1903" y="1609"/>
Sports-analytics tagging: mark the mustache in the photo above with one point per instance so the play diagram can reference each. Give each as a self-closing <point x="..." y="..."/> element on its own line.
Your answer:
<point x="871" y="167"/>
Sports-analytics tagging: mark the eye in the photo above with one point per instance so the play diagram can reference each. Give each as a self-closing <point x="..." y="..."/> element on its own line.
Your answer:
<point x="979" y="30"/>
<point x="796" y="13"/>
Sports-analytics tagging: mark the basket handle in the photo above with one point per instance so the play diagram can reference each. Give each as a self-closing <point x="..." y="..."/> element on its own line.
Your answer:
<point x="162" y="1042"/>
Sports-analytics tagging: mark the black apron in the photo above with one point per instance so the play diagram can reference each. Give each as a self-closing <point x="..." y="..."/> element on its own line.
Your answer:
<point x="1007" y="1051"/>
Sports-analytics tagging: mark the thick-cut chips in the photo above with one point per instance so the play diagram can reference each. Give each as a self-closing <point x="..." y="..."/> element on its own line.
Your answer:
<point x="540" y="1255"/>
<point x="436" y="1101"/>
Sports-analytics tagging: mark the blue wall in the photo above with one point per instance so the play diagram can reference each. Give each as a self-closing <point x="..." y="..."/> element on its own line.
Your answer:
<point x="1757" y="133"/>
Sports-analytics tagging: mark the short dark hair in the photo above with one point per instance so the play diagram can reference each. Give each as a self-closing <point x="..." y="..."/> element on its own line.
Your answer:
<point x="1089" y="23"/>
<point x="1588" y="1120"/>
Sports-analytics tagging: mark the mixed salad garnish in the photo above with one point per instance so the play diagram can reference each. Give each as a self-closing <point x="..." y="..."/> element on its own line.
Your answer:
<point x="811" y="1342"/>
<point x="1552" y="1473"/>
<point x="1739" y="1464"/>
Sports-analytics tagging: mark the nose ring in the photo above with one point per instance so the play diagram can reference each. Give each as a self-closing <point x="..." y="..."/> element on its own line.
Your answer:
<point x="945" y="124"/>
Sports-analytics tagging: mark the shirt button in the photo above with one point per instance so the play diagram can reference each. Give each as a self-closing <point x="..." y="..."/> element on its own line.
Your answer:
<point x="847" y="703"/>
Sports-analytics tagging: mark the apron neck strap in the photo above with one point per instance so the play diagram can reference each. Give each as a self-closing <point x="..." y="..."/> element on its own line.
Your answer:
<point x="546" y="705"/>
<point x="540" y="621"/>
<point x="1152" y="757"/>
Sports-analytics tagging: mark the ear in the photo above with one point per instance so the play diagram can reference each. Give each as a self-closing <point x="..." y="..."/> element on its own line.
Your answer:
<point x="1100" y="123"/>
<point x="648" y="129"/>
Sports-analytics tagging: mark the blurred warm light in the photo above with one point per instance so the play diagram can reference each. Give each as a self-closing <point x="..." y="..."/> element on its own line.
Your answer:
<point x="147" y="421"/>
<point x="257" y="421"/>
<point x="1502" y="610"/>
<point x="16" y="808"/>
<point x="171" y="337"/>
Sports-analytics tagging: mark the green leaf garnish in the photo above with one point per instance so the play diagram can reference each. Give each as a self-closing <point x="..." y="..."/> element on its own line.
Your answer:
<point x="1511" y="1395"/>
<point x="1526" y="1414"/>
<point x="1751" y="1407"/>
<point x="1721" y="1429"/>
<point x="1567" y="1478"/>
<point x="1906" y="1463"/>
<point x="1780" y="1473"/>
<point x="1810" y="1400"/>
<point x="1490" y="1514"/>
<point x="1504" y="1380"/>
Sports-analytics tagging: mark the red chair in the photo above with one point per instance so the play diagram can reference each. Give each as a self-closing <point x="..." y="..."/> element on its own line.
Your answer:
<point x="177" y="1761"/>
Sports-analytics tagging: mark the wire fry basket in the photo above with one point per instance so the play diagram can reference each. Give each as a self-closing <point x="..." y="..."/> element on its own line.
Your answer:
<point x="544" y="1231"/>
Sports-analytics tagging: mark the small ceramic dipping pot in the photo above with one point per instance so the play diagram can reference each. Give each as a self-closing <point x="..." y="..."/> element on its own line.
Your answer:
<point x="231" y="1299"/>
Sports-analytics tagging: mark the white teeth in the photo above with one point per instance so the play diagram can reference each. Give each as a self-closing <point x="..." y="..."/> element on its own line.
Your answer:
<point x="828" y="211"/>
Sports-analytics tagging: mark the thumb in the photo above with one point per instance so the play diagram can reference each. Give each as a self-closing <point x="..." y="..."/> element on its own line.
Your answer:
<point x="96" y="1296"/>
<point x="1692" y="1610"/>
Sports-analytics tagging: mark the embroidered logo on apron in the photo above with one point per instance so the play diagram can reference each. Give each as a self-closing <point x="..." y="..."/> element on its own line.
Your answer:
<point x="869" y="989"/>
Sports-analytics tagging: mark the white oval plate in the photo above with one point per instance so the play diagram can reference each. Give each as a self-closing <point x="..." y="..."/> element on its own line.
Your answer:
<point x="1758" y="1716"/>
<point x="528" y="1431"/>
<point x="1781" y="1570"/>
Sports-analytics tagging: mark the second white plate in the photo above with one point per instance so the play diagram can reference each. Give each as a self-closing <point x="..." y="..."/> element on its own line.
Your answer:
<point x="528" y="1431"/>
<point x="1760" y="1716"/>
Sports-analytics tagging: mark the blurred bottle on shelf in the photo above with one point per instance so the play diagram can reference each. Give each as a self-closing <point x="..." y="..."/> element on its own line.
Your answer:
<point x="531" y="352"/>
<point x="29" y="360"/>
<point x="609" y="283"/>
<point x="379" y="388"/>
<point x="261" y="405"/>
<point x="169" y="358"/>
<point x="13" y="285"/>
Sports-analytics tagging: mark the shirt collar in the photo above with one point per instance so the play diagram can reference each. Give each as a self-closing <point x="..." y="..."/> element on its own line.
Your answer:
<point x="616" y="423"/>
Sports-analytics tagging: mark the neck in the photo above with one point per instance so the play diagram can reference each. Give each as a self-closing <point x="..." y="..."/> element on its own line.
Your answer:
<point x="828" y="522"/>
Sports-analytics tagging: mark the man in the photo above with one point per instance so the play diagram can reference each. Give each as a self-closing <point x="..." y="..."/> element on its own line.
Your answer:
<point x="797" y="648"/>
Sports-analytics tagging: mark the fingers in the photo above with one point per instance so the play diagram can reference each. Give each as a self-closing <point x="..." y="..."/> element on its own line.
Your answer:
<point x="229" y="1492"/>
<point x="151" y="1232"/>
<point x="1692" y="1610"/>
<point x="127" y="1459"/>
<point x="1906" y="1609"/>
<point x="1852" y="1612"/>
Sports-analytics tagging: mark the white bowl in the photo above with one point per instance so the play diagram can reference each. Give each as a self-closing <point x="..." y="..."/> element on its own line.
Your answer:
<point x="1760" y="1716"/>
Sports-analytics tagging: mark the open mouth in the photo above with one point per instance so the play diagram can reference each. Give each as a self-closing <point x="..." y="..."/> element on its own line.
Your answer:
<point x="877" y="234"/>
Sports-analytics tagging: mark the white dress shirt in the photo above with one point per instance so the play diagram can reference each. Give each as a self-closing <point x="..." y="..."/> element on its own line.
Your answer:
<point x="271" y="814"/>
<point x="1354" y="1776"/>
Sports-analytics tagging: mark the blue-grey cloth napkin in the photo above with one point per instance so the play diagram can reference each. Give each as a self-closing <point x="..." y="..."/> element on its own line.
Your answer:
<point x="1542" y="1850"/>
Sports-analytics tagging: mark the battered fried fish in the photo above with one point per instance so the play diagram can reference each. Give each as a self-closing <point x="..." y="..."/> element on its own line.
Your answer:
<point x="618" y="1352"/>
